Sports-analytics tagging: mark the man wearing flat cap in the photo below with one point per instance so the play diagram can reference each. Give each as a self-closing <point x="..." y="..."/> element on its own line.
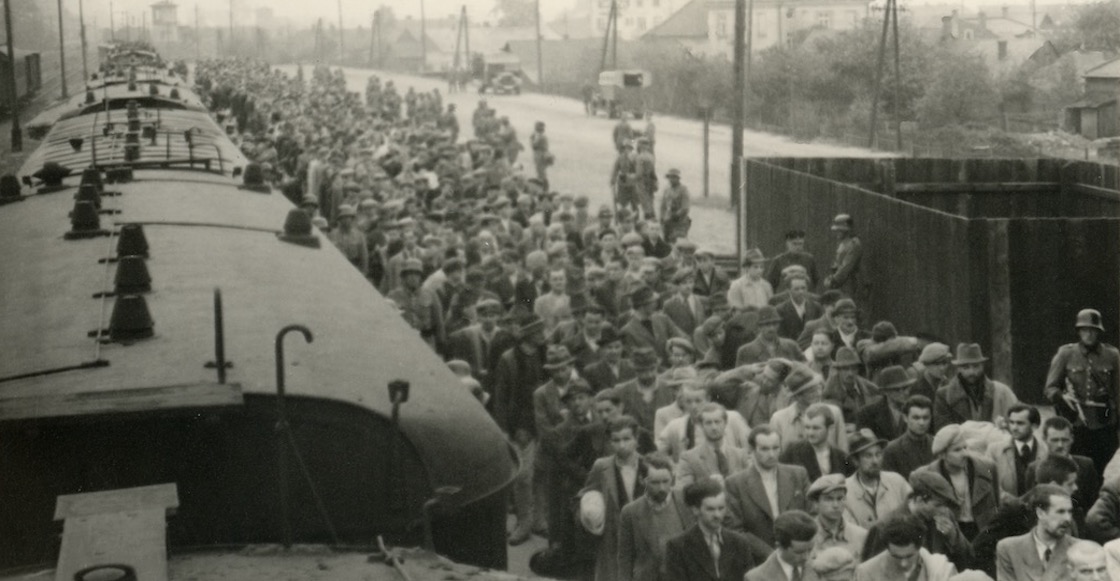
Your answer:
<point x="750" y="289"/>
<point x="475" y="344"/>
<point x="834" y="564"/>
<point x="973" y="479"/>
<point x="420" y="307"/>
<point x="685" y="308"/>
<point x="829" y="493"/>
<point x="971" y="395"/>
<point x="931" y="369"/>
<point x="1084" y="386"/>
<point x="931" y="500"/>
<point x="520" y="370"/>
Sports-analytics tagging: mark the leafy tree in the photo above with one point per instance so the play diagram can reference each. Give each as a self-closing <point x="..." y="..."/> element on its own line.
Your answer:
<point x="960" y="91"/>
<point x="1096" y="27"/>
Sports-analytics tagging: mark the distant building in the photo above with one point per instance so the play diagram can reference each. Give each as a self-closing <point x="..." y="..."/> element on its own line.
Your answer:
<point x="635" y="17"/>
<point x="165" y="23"/>
<point x="708" y="26"/>
<point x="1095" y="115"/>
<point x="1004" y="42"/>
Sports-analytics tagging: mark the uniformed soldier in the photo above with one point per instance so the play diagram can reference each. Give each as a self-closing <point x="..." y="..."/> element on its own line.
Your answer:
<point x="674" y="207"/>
<point x="1083" y="386"/>
<point x="646" y="185"/>
<point x="624" y="177"/>
<point x="420" y="307"/>
<point x="542" y="157"/>
<point x="844" y="275"/>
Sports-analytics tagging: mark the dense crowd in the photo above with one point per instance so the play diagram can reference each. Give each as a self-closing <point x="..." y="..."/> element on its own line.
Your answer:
<point x="675" y="422"/>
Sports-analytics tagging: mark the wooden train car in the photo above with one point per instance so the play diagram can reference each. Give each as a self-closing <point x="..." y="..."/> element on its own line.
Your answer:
<point x="143" y="331"/>
<point x="28" y="74"/>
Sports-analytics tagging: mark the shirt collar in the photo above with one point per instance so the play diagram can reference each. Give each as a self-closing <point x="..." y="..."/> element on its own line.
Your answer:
<point x="708" y="535"/>
<point x="787" y="569"/>
<point x="836" y="534"/>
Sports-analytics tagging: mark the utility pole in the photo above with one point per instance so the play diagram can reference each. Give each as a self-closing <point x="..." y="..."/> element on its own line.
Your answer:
<point x="61" y="51"/>
<point x="614" y="42"/>
<point x="341" y="43"/>
<point x="82" y="22"/>
<point x="467" y="37"/>
<point x="423" y="40"/>
<point x="737" y="125"/>
<point x="890" y="14"/>
<point x="17" y="133"/>
<point x="540" y="57"/>
<point x="197" y="35"/>
<point x="112" y="29"/>
<point x="143" y="25"/>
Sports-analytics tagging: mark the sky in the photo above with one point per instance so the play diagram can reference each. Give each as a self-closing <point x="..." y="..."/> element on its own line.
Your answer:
<point x="306" y="11"/>
<point x="360" y="11"/>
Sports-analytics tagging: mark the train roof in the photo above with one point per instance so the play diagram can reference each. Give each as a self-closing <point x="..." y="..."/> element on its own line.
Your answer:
<point x="103" y="139"/>
<point x="171" y="92"/>
<point x="206" y="233"/>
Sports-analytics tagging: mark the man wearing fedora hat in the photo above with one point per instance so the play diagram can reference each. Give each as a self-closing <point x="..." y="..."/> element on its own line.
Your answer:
<point x="1083" y="384"/>
<point x="884" y="415"/>
<point x="845" y="387"/>
<point x="674" y="207"/>
<point x="768" y="344"/>
<point x="805" y="388"/>
<point x="642" y="396"/>
<point x="520" y="370"/>
<point x="873" y="493"/>
<point x="612" y="368"/>
<point x="750" y="289"/>
<point x="971" y="395"/>
<point x="649" y="327"/>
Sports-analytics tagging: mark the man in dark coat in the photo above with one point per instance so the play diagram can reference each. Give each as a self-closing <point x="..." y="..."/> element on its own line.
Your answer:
<point x="933" y="501"/>
<point x="798" y="309"/>
<point x="795" y="254"/>
<point x="520" y="371"/>
<point x="884" y="416"/>
<point x="707" y="551"/>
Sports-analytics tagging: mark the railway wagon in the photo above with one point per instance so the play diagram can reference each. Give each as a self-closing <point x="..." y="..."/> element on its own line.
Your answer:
<point x="28" y="75"/>
<point x="177" y="326"/>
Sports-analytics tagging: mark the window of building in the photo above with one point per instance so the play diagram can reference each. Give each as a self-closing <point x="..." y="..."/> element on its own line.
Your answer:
<point x="824" y="19"/>
<point x="721" y="25"/>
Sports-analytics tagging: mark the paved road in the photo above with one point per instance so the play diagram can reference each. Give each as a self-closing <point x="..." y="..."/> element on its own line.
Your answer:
<point x="585" y="153"/>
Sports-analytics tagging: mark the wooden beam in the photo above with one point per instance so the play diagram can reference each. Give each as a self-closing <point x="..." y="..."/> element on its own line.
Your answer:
<point x="124" y="527"/>
<point x="976" y="187"/>
<point x="204" y="395"/>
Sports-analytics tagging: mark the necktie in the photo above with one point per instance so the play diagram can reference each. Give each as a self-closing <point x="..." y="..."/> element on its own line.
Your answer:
<point x="648" y="324"/>
<point x="1046" y="556"/>
<point x="796" y="574"/>
<point x="721" y="462"/>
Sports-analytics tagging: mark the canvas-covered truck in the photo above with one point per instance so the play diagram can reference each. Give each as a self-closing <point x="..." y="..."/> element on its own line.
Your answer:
<point x="621" y="93"/>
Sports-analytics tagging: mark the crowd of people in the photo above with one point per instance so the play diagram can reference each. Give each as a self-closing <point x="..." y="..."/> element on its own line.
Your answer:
<point x="675" y="422"/>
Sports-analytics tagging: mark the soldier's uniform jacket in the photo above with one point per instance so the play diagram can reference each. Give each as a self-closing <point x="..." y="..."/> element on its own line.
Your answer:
<point x="1093" y="375"/>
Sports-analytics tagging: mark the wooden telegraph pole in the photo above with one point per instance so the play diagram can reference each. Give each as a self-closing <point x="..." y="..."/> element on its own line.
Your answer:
<point x="17" y="133"/>
<point x="741" y="43"/>
<point x="82" y="22"/>
<point x="61" y="51"/>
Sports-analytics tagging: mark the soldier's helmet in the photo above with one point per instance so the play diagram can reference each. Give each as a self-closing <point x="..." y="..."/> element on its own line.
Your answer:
<point x="1089" y="318"/>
